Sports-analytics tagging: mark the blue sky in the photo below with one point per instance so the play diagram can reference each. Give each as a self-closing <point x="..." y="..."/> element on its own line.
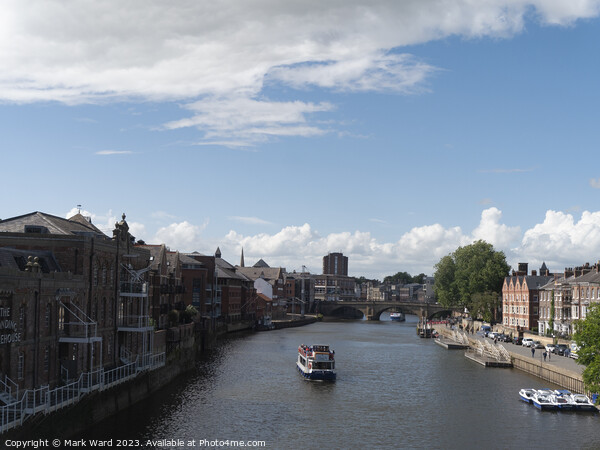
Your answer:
<point x="391" y="131"/>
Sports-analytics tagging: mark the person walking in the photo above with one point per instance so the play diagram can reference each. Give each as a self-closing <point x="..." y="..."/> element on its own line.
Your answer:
<point x="544" y="355"/>
<point x="533" y="352"/>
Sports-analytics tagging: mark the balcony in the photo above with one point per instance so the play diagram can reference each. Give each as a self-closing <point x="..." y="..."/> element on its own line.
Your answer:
<point x="135" y="289"/>
<point x="134" y="323"/>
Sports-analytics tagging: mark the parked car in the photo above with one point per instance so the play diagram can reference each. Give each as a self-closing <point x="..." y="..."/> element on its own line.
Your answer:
<point x="537" y="344"/>
<point x="527" y="342"/>
<point x="485" y="329"/>
<point x="507" y="338"/>
<point x="561" y="349"/>
<point x="550" y="348"/>
<point x="517" y="340"/>
<point x="574" y="349"/>
<point x="492" y="334"/>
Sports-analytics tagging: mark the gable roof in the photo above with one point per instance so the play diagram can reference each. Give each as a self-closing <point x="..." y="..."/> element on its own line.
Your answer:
<point x="261" y="263"/>
<point x="49" y="224"/>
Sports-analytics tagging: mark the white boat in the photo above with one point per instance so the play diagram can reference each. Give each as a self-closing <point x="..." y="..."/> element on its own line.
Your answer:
<point x="527" y="395"/>
<point x="563" y="400"/>
<point x="543" y="399"/>
<point x="316" y="362"/>
<point x="583" y="403"/>
<point x="397" y="317"/>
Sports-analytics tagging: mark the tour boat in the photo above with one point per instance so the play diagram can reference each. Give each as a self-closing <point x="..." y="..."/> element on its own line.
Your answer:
<point x="543" y="399"/>
<point x="527" y="395"/>
<point x="316" y="362"/>
<point x="397" y="317"/>
<point x="583" y="403"/>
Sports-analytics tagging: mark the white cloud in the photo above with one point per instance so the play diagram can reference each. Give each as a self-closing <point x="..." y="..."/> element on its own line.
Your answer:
<point x="491" y="230"/>
<point x="250" y="220"/>
<point x="562" y="240"/>
<point x="223" y="52"/>
<point x="559" y="240"/>
<point x="114" y="152"/>
<point x="595" y="183"/>
<point x="181" y="236"/>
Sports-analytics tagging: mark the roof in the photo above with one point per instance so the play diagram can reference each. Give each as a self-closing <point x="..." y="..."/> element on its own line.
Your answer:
<point x="39" y="222"/>
<point x="188" y="261"/>
<point x="261" y="263"/>
<point x="268" y="273"/>
<point x="533" y="281"/>
<point x="17" y="259"/>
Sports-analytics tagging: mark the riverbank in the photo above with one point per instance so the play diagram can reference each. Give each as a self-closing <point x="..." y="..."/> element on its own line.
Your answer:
<point x="559" y="370"/>
<point x="89" y="408"/>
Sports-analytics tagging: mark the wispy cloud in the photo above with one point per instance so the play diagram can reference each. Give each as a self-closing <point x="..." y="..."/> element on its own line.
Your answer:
<point x="378" y="221"/>
<point x="595" y="183"/>
<point x="114" y="152"/>
<point x="516" y="170"/>
<point x="250" y="220"/>
<point x="185" y="50"/>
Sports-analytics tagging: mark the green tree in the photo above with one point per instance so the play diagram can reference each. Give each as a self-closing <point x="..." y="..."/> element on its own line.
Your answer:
<point x="472" y="269"/>
<point x="404" y="278"/>
<point x="587" y="337"/>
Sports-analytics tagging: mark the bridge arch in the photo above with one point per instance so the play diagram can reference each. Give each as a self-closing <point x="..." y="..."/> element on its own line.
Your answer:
<point x="372" y="310"/>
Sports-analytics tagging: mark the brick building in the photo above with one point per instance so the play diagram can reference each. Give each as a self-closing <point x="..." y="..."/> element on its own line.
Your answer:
<point x="521" y="297"/>
<point x="72" y="299"/>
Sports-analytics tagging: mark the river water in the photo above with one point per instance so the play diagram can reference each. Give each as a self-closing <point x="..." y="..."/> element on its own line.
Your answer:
<point x="394" y="390"/>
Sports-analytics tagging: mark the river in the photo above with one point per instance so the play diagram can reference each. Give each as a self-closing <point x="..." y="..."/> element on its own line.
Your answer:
<point x="394" y="390"/>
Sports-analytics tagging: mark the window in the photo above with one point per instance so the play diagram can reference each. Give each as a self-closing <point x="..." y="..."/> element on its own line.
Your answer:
<point x="48" y="315"/>
<point x="21" y="366"/>
<point x="47" y="359"/>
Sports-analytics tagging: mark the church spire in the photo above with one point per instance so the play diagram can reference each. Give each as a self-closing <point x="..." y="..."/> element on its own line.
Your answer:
<point x="242" y="259"/>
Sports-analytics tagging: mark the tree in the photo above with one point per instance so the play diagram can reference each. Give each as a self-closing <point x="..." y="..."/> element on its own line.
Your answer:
<point x="404" y="278"/>
<point x="587" y="337"/>
<point x="473" y="269"/>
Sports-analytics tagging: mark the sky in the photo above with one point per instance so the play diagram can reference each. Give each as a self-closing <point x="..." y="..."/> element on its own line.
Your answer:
<point x="392" y="131"/>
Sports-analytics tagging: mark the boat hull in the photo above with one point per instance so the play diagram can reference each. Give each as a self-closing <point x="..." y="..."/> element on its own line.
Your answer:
<point x="324" y="375"/>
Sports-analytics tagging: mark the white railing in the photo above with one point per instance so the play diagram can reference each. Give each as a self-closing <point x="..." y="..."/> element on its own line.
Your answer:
<point x="134" y="321"/>
<point x="47" y="400"/>
<point x="9" y="388"/>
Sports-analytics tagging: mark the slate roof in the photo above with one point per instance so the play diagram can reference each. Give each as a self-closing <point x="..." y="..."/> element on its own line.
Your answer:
<point x="268" y="273"/>
<point x="75" y="225"/>
<point x="17" y="259"/>
<point x="534" y="282"/>
<point x="261" y="263"/>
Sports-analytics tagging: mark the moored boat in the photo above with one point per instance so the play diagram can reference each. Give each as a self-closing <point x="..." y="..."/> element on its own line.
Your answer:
<point x="316" y="362"/>
<point x="563" y="400"/>
<point x="543" y="399"/>
<point x="527" y="395"/>
<point x="583" y="403"/>
<point x="397" y="317"/>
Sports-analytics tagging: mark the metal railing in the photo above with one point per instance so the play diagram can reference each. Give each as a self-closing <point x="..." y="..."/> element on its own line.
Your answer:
<point x="134" y="321"/>
<point x="46" y="400"/>
<point x="9" y="388"/>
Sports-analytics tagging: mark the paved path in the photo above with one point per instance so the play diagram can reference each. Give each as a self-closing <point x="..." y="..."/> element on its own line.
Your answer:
<point x="559" y="361"/>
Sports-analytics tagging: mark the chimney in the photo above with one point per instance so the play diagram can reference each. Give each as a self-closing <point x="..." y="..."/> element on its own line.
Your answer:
<point x="534" y="273"/>
<point x="568" y="272"/>
<point x="523" y="268"/>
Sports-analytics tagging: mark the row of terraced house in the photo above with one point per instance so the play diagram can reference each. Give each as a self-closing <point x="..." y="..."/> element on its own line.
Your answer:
<point x="549" y="303"/>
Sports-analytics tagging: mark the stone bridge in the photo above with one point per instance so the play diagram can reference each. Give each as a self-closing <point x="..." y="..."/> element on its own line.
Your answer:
<point x="372" y="309"/>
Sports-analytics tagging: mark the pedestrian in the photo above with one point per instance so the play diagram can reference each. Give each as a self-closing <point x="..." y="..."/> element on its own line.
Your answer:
<point x="544" y="355"/>
<point x="549" y="355"/>
<point x="533" y="352"/>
